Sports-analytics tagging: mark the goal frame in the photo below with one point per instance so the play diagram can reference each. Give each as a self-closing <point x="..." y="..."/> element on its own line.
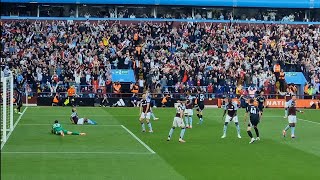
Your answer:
<point x="6" y="126"/>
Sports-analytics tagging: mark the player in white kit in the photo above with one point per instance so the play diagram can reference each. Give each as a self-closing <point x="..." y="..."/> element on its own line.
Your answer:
<point x="80" y="121"/>
<point x="178" y="122"/>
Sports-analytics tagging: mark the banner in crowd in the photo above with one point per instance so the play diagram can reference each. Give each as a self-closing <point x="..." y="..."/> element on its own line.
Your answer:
<point x="122" y="75"/>
<point x="300" y="103"/>
<point x="277" y="103"/>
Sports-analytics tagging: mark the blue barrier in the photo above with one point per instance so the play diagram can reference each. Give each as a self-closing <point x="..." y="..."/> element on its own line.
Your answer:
<point x="220" y="3"/>
<point x="157" y="20"/>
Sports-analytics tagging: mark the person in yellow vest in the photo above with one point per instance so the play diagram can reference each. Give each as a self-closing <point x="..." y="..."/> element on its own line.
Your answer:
<point x="311" y="92"/>
<point x="276" y="70"/>
<point x="282" y="80"/>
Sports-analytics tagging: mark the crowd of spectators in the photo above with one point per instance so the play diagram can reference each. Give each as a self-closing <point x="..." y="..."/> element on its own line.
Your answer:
<point x="166" y="56"/>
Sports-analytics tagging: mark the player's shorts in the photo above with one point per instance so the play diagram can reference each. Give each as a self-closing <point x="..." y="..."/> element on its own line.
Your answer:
<point x="178" y="122"/>
<point x="292" y="119"/>
<point x="188" y="112"/>
<point x="228" y="118"/>
<point x="253" y="122"/>
<point x="80" y="121"/>
<point x="145" y="115"/>
<point x="261" y="108"/>
<point x="200" y="107"/>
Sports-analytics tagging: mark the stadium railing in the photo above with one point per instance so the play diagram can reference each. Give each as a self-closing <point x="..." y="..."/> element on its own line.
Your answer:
<point x="137" y="20"/>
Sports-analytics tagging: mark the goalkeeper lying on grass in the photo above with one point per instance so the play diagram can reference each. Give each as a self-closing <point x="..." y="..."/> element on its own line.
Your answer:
<point x="80" y="121"/>
<point x="58" y="130"/>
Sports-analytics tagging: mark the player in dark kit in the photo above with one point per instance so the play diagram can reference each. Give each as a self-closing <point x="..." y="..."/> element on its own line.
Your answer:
<point x="200" y="105"/>
<point x="254" y="117"/>
<point x="292" y="117"/>
<point x="18" y="99"/>
<point x="261" y="101"/>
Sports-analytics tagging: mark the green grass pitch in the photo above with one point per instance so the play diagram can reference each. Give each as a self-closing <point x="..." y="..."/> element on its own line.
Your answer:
<point x="111" y="150"/>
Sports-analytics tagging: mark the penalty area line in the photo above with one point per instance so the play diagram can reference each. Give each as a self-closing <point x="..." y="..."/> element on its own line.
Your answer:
<point x="308" y="121"/>
<point x="51" y="152"/>
<point x="14" y="126"/>
<point x="139" y="140"/>
<point x="98" y="125"/>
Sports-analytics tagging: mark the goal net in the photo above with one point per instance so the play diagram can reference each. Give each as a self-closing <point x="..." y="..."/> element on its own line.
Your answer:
<point x="6" y="107"/>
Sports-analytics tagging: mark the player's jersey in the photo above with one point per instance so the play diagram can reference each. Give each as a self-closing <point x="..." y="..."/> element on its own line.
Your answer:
<point x="200" y="99"/>
<point x="56" y="127"/>
<point x="144" y="104"/>
<point x="254" y="112"/>
<point x="292" y="110"/>
<point x="189" y="102"/>
<point x="288" y="96"/>
<point x="232" y="109"/>
<point x="179" y="109"/>
<point x="75" y="117"/>
<point x="261" y="100"/>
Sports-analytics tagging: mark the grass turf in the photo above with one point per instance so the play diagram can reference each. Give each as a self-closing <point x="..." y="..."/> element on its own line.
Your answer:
<point x="110" y="152"/>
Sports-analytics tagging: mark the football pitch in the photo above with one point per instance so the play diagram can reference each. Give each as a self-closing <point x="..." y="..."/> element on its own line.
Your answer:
<point x="116" y="148"/>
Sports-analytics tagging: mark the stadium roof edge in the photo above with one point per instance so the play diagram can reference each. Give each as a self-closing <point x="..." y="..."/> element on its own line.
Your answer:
<point x="306" y="4"/>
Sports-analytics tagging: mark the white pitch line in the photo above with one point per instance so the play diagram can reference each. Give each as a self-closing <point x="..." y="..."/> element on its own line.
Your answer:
<point x="139" y="140"/>
<point x="92" y="115"/>
<point x="305" y="120"/>
<point x="105" y="125"/>
<point x="14" y="126"/>
<point x="308" y="121"/>
<point x="51" y="152"/>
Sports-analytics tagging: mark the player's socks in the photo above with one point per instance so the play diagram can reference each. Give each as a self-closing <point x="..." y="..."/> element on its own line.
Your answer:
<point x="287" y="127"/>
<point x="292" y="131"/>
<point x="143" y="127"/>
<point x="250" y="134"/>
<point x="150" y="126"/>
<point x="257" y="131"/>
<point x="238" y="128"/>
<point x="190" y="121"/>
<point x="170" y="132"/>
<point x="153" y="117"/>
<point x="91" y="122"/>
<point x="225" y="127"/>
<point x="285" y="113"/>
<point x="201" y="120"/>
<point x="187" y="121"/>
<point x="183" y="130"/>
<point x="198" y="115"/>
<point x="75" y="133"/>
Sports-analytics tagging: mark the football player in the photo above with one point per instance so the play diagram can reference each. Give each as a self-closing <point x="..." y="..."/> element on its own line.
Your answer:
<point x="230" y="109"/>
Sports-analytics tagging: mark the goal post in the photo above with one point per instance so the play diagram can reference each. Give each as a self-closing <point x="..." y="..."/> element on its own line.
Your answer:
<point x="6" y="107"/>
